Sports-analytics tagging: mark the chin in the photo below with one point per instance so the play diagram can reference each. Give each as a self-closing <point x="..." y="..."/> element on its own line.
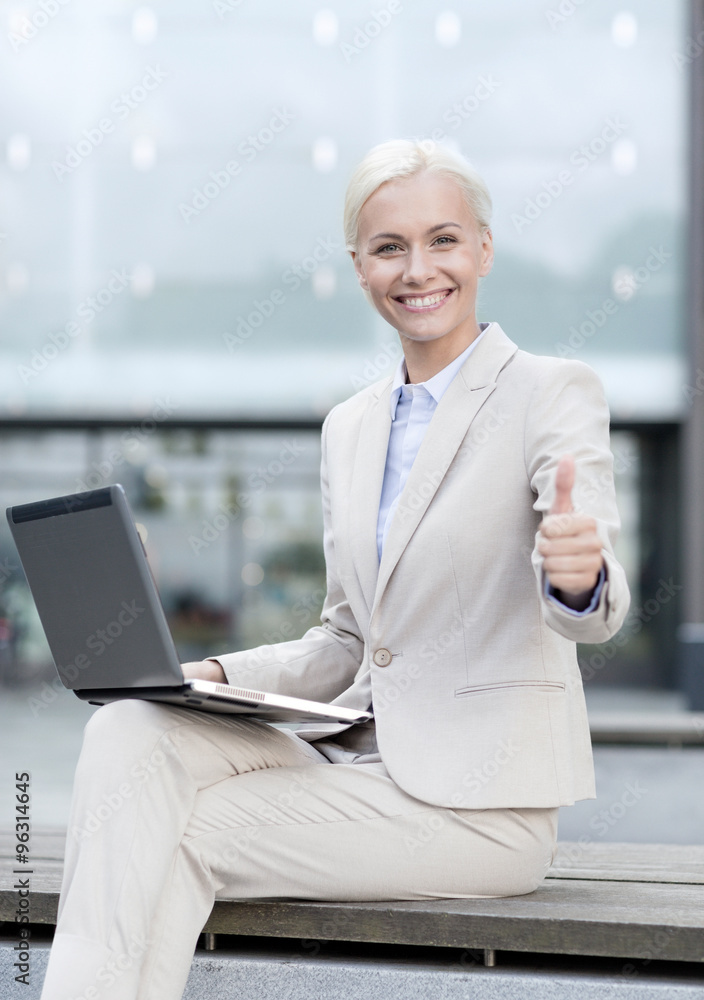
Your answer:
<point x="424" y="338"/>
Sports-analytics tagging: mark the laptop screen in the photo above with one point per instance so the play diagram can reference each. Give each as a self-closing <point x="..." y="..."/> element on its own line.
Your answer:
<point x="96" y="597"/>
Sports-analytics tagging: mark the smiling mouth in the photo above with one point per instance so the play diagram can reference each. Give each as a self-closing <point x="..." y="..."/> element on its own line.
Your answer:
<point x="424" y="301"/>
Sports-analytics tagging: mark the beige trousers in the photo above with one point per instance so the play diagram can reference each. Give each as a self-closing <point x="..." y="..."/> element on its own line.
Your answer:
<point x="172" y="807"/>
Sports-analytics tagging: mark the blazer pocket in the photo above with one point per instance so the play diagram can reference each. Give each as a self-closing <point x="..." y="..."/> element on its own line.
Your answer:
<point x="504" y="685"/>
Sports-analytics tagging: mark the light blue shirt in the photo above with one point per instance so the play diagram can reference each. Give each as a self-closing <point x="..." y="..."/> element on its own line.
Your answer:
<point x="412" y="409"/>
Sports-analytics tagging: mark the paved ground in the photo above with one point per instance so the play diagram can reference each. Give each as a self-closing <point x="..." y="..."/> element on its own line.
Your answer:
<point x="299" y="975"/>
<point x="645" y="795"/>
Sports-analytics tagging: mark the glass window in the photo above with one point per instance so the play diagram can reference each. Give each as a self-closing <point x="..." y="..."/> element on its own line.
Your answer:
<point x="171" y="193"/>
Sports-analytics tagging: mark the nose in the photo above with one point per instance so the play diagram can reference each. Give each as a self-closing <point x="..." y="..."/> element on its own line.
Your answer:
<point x="419" y="266"/>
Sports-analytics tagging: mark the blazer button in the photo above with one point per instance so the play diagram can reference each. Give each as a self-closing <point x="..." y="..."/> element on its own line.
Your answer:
<point x="382" y="657"/>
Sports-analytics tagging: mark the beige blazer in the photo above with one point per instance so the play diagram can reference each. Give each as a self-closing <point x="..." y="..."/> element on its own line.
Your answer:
<point x="472" y="671"/>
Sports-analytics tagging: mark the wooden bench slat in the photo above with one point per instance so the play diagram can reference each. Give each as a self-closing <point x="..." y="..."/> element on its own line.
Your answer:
<point x="676" y="863"/>
<point x="634" y="901"/>
<point x="572" y="918"/>
<point x="670" y="728"/>
<point x="566" y="918"/>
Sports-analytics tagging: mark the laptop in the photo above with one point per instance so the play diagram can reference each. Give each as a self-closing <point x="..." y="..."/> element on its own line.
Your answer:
<point x="100" y="609"/>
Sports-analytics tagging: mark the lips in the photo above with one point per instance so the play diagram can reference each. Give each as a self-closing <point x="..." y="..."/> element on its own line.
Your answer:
<point x="429" y="301"/>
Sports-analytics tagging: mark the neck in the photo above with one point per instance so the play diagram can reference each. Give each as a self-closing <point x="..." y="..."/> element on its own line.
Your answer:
<point x="426" y="358"/>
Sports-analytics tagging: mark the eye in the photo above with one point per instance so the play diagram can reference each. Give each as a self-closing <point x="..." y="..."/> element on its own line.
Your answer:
<point x="387" y="248"/>
<point x="445" y="241"/>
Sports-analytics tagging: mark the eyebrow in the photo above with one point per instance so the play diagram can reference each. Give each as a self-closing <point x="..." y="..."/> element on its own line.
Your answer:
<point x="429" y="232"/>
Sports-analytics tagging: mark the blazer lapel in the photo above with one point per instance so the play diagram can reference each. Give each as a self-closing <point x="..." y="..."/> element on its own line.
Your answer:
<point x="365" y="489"/>
<point x="465" y="396"/>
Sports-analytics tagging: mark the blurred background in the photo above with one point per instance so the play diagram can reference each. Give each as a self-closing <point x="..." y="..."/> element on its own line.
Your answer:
<point x="177" y="312"/>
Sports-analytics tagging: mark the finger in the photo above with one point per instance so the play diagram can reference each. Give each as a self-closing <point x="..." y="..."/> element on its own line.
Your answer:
<point x="564" y="482"/>
<point x="572" y="545"/>
<point x="567" y="525"/>
<point x="574" y="582"/>
<point x="571" y="527"/>
<point x="589" y="562"/>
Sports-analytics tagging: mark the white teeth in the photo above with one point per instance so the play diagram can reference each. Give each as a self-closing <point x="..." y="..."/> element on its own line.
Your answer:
<point x="427" y="300"/>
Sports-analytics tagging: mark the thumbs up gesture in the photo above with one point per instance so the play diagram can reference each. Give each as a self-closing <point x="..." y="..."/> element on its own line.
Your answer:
<point x="569" y="543"/>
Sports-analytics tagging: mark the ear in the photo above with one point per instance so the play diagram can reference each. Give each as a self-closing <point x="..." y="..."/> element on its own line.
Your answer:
<point x="487" y="255"/>
<point x="361" y="278"/>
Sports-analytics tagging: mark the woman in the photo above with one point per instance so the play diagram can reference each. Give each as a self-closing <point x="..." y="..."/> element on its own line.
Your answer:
<point x="463" y="562"/>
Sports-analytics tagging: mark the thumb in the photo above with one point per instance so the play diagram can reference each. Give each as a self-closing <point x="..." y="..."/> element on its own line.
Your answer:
<point x="564" y="481"/>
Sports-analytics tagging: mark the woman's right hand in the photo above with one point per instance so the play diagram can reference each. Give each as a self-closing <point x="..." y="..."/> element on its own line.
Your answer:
<point x="204" y="670"/>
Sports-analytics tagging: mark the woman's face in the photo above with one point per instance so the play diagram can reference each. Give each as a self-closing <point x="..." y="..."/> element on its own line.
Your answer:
<point x="420" y="255"/>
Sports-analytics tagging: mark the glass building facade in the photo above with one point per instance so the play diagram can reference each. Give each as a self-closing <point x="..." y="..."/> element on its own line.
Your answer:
<point x="171" y="249"/>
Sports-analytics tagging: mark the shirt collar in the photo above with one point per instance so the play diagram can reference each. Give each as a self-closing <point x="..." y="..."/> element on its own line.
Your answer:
<point x="438" y="384"/>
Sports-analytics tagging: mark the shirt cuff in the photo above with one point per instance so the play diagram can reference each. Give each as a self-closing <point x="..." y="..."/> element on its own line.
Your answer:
<point x="549" y="593"/>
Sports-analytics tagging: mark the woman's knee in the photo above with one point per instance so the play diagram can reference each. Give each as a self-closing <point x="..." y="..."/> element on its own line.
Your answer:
<point x="531" y="874"/>
<point x="535" y="848"/>
<point x="127" y="723"/>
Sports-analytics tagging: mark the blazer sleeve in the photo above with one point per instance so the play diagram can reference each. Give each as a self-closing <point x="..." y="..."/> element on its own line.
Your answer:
<point x="568" y="414"/>
<point x="323" y="662"/>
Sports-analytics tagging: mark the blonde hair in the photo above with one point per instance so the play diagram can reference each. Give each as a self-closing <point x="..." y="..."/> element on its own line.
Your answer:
<point x="403" y="158"/>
